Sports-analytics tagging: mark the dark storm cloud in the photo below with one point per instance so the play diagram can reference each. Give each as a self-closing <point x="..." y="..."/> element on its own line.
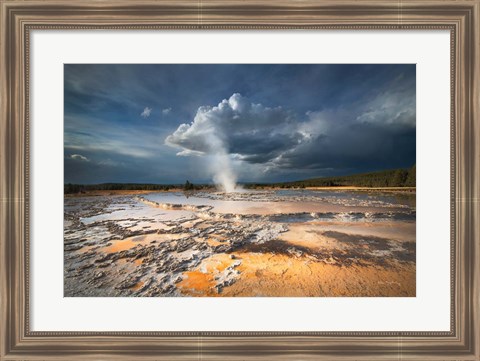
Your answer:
<point x="270" y="122"/>
<point x="241" y="126"/>
<point x="376" y="134"/>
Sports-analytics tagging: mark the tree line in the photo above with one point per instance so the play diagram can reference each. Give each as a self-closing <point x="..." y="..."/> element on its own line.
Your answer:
<point x="70" y="188"/>
<point x="387" y="178"/>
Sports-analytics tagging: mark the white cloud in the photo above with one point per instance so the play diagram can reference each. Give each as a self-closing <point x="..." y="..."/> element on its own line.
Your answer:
<point x="118" y="147"/>
<point x="99" y="136"/>
<point x="166" y="111"/>
<point x="240" y="126"/>
<point x="80" y="157"/>
<point x="390" y="109"/>
<point x="146" y="112"/>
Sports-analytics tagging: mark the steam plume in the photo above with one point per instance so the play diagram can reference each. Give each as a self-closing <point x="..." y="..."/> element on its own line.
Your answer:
<point x="205" y="136"/>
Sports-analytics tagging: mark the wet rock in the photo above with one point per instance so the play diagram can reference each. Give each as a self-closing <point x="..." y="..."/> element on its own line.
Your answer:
<point x="73" y="247"/>
<point x="98" y="275"/>
<point x="330" y="260"/>
<point x="104" y="258"/>
<point x="85" y="266"/>
<point x="236" y="263"/>
<point x="128" y="283"/>
<point x="294" y="251"/>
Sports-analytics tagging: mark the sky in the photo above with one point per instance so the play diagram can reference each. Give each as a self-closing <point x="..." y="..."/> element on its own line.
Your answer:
<point x="168" y="123"/>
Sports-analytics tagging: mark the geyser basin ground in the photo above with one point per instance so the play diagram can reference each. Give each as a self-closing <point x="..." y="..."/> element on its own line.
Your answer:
<point x="255" y="243"/>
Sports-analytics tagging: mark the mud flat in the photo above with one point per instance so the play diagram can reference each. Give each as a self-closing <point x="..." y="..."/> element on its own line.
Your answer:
<point x="259" y="243"/>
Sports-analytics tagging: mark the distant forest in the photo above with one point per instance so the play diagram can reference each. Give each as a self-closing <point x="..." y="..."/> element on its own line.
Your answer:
<point x="387" y="178"/>
<point x="70" y="188"/>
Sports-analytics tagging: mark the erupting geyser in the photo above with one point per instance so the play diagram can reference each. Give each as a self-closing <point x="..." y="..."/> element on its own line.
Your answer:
<point x="223" y="175"/>
<point x="206" y="137"/>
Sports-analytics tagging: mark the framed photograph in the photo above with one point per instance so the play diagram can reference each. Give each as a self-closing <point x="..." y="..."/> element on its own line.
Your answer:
<point x="250" y="219"/>
<point x="239" y="180"/>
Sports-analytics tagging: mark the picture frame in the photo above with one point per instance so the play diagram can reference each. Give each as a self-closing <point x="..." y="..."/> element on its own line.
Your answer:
<point x="18" y="18"/>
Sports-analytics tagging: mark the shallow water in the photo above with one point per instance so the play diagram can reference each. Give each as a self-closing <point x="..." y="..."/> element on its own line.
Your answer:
<point x="295" y="201"/>
<point x="135" y="211"/>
